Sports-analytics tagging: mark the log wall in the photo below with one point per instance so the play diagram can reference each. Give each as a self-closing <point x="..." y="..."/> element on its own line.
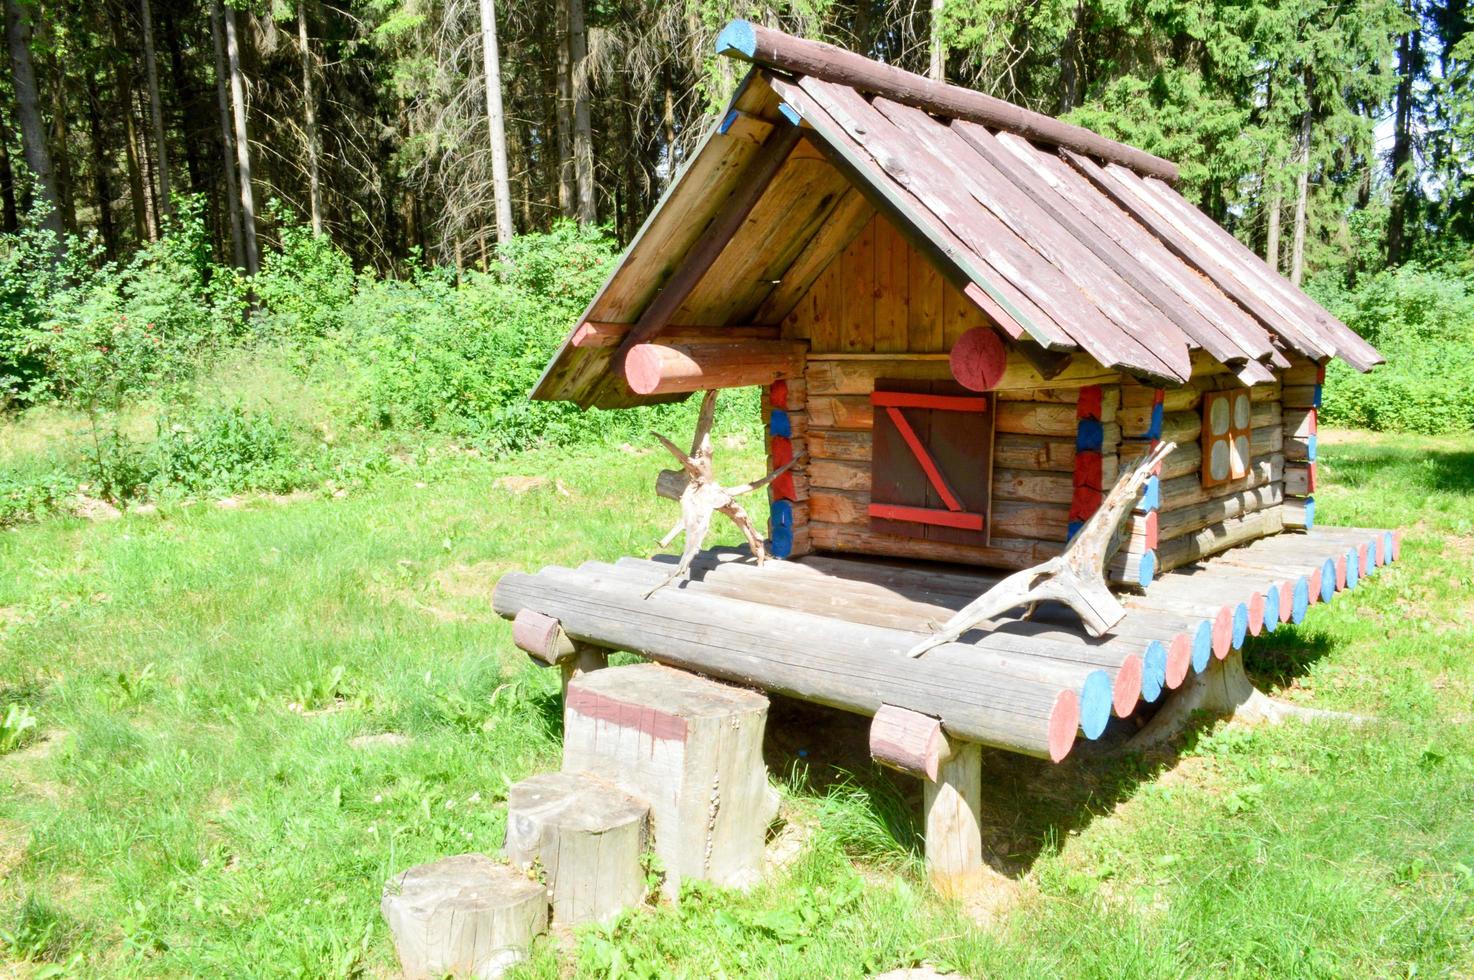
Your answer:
<point x="880" y="311"/>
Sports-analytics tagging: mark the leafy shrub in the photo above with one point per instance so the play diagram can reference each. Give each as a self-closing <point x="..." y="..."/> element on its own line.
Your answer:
<point x="304" y="286"/>
<point x="29" y="496"/>
<point x="225" y="449"/>
<point x="1422" y="320"/>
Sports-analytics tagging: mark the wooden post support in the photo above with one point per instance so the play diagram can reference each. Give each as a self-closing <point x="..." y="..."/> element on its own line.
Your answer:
<point x="954" y="840"/>
<point x="589" y="838"/>
<point x="690" y="746"/>
<point x="465" y="915"/>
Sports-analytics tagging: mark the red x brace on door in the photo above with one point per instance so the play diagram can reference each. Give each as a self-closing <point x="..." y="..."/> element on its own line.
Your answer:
<point x="931" y="453"/>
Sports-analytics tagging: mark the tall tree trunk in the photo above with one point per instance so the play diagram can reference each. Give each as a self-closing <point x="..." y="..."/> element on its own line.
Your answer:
<point x="60" y="143"/>
<point x="937" y="68"/>
<point x="583" y="138"/>
<point x="101" y="186"/>
<point x="1069" y="63"/>
<point x="1272" y="230"/>
<point x="187" y="99"/>
<point x="491" y="64"/>
<point x="156" y="110"/>
<point x="124" y="82"/>
<point x="1302" y="201"/>
<point x="227" y="142"/>
<point x="567" y="185"/>
<point x="242" y="141"/>
<point x="150" y="188"/>
<point x="1409" y="54"/>
<point x="11" y="215"/>
<point x="309" y="112"/>
<point x="28" y="110"/>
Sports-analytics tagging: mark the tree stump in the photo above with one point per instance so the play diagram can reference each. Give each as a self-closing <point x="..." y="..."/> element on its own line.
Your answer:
<point x="690" y="746"/>
<point x="589" y="837"/>
<point x="467" y="916"/>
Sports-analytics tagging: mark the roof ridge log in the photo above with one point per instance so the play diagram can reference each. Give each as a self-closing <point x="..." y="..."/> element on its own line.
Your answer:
<point x="784" y="52"/>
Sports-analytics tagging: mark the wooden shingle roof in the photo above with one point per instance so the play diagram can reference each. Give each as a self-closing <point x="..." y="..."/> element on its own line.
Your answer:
<point x="1061" y="237"/>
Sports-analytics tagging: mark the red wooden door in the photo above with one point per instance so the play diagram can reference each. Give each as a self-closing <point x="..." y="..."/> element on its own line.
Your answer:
<point x="931" y="461"/>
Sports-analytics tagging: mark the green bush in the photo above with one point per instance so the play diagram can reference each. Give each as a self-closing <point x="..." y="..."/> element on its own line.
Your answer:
<point x="1422" y="320"/>
<point x="227" y="449"/>
<point x="304" y="286"/>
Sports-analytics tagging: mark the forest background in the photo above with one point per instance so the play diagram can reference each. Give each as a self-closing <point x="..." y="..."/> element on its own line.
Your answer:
<point x="288" y="245"/>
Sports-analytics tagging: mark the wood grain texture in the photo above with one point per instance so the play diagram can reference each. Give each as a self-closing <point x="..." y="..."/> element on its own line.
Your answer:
<point x="689" y="746"/>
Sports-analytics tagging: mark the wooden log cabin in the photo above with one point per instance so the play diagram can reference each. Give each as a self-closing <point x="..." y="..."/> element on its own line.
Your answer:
<point x="967" y="319"/>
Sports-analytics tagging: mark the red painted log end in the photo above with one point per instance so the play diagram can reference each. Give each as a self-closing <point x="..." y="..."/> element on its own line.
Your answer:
<point x="1126" y="690"/>
<point x="1256" y="613"/>
<point x="978" y="359"/>
<point x="1064" y="722"/>
<point x="1179" y="659"/>
<point x="1223" y="632"/>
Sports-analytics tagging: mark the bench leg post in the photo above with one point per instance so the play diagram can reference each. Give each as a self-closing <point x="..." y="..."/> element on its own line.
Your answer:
<point x="585" y="659"/>
<point x="954" y="839"/>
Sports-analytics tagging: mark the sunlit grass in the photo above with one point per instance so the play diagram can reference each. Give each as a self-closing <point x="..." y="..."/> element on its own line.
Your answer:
<point x="194" y="807"/>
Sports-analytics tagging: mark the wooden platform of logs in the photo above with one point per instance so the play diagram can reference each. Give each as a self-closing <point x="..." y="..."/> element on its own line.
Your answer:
<point x="835" y="630"/>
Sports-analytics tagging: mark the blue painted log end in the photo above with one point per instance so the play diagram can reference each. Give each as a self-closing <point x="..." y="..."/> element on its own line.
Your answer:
<point x="1147" y="572"/>
<point x="737" y="39"/>
<point x="1153" y="671"/>
<point x="1240" y="625"/>
<point x="1272" y="608"/>
<point x="1300" y="601"/>
<point x="1095" y="703"/>
<point x="1328" y="580"/>
<point x="1202" y="646"/>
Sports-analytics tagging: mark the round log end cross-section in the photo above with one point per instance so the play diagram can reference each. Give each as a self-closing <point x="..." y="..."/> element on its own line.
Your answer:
<point x="978" y="359"/>
<point x="1179" y="660"/>
<point x="1240" y="625"/>
<point x="1340" y="573"/>
<point x="677" y="368"/>
<point x="1353" y="568"/>
<point x="1256" y="612"/>
<point x="1126" y="690"/>
<point x="1394" y="545"/>
<point x="1271" y="608"/>
<point x="1327" y="580"/>
<point x="465" y="915"/>
<point x="1287" y="600"/>
<point x="589" y="838"/>
<point x="1064" y="722"/>
<point x="1096" y="696"/>
<point x="1365" y="559"/>
<point x="1313" y="581"/>
<point x="1223" y="632"/>
<point x="1202" y="646"/>
<point x="1153" y="671"/>
<point x="1300" y="600"/>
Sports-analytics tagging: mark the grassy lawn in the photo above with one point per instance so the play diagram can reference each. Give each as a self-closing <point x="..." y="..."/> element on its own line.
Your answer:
<point x="189" y="802"/>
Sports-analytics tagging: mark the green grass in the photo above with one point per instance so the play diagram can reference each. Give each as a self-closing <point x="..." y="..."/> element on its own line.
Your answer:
<point x="192" y="805"/>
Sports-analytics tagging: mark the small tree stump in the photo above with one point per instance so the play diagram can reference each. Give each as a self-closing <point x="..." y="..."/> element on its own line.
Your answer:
<point x="589" y="837"/>
<point x="467" y="916"/>
<point x="694" y="749"/>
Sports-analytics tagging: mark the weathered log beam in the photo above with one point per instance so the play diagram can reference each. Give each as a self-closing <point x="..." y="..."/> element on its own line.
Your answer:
<point x="592" y="334"/>
<point x="753" y="42"/>
<point x="807" y="657"/>
<point x="727" y="218"/>
<point x="709" y="364"/>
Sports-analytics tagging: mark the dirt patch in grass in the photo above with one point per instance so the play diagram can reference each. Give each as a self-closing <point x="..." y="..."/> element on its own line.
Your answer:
<point x="13" y="838"/>
<point x="452" y="594"/>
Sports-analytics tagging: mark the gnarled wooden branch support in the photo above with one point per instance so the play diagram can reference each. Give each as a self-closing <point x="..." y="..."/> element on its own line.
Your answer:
<point x="702" y="496"/>
<point x="1075" y="578"/>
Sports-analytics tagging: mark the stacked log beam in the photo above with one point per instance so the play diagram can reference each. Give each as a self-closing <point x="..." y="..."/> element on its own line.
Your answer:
<point x="1303" y="384"/>
<point x="1143" y="415"/>
<point x="785" y="421"/>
